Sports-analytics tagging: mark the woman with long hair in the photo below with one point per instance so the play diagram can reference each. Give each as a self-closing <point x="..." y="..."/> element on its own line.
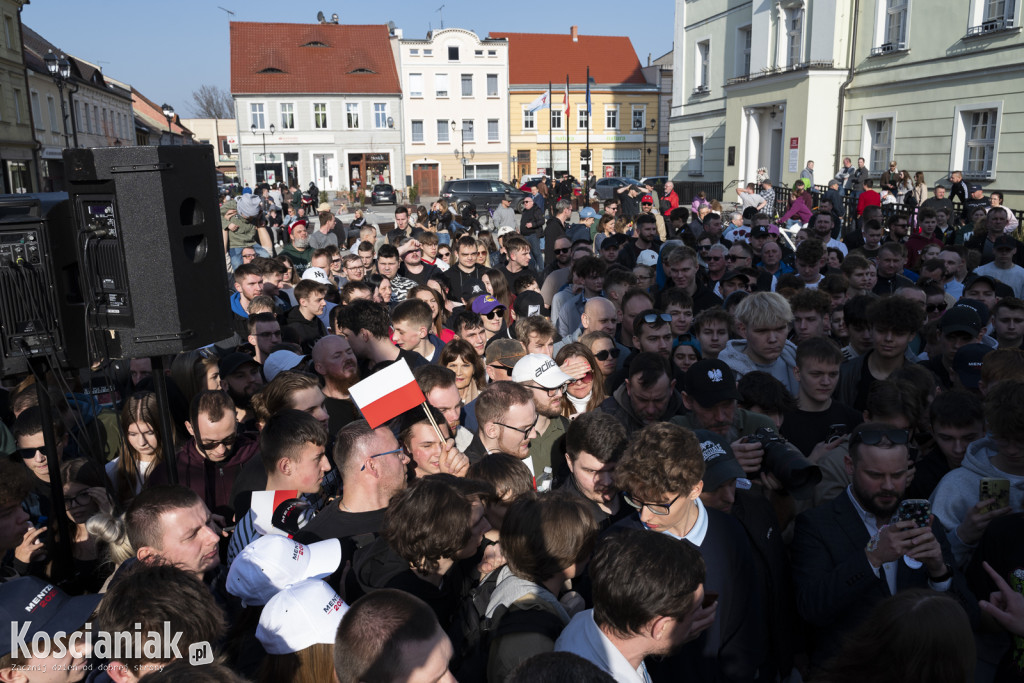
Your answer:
<point x="920" y="188"/>
<point x="291" y="277"/>
<point x="585" y="393"/>
<point x="142" y="449"/>
<point x="434" y="299"/>
<point x="381" y="287"/>
<point x="470" y="377"/>
<point x="195" y="371"/>
<point x="496" y="285"/>
<point x="604" y="350"/>
<point x="297" y="628"/>
<point x="86" y="495"/>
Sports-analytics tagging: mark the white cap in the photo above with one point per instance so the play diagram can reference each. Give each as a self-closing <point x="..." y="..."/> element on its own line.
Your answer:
<point x="536" y="367"/>
<point x="504" y="230"/>
<point x="272" y="563"/>
<point x="279" y="361"/>
<point x="317" y="275"/>
<point x="647" y="258"/>
<point x="300" y="616"/>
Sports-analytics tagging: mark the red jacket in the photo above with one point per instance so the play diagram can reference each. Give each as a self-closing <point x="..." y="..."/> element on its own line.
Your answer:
<point x="673" y="200"/>
<point x="868" y="198"/>
<point x="211" y="480"/>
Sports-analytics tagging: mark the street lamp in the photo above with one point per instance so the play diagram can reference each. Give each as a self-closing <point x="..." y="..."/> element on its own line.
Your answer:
<point x="646" y="149"/>
<point x="460" y="153"/>
<point x="169" y="115"/>
<point x="273" y="130"/>
<point x="60" y="70"/>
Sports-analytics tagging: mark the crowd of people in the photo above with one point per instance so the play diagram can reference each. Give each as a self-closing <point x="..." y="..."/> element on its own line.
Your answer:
<point x="660" y="442"/>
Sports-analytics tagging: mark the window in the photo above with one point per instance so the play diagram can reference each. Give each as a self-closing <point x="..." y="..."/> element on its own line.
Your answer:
<point x="9" y="31"/>
<point x="467" y="85"/>
<point x="441" y="85"/>
<point x="492" y="85"/>
<point x="492" y="53"/>
<point x="556" y="118"/>
<point x="697" y="155"/>
<point x="442" y="130"/>
<point x="467" y="131"/>
<point x="287" y="115"/>
<point x="881" y="144"/>
<point x="639" y="116"/>
<point x="611" y="117"/>
<point x="453" y="53"/>
<point x="106" y="130"/>
<point x="320" y="115"/>
<point x="997" y="9"/>
<point x="529" y="120"/>
<point x="415" y="85"/>
<point x="743" y="57"/>
<point x="36" y="114"/>
<point x="794" y="34"/>
<point x="492" y="130"/>
<point x="414" y="52"/>
<point x="703" y="64"/>
<point x="478" y="53"/>
<point x="256" y="115"/>
<point x="428" y="53"/>
<point x="380" y="114"/>
<point x="17" y="106"/>
<point x="979" y="154"/>
<point x="896" y="23"/>
<point x="417" y="131"/>
<point x="987" y="16"/>
<point x="78" y="116"/>
<point x="582" y="118"/>
<point x="351" y="114"/>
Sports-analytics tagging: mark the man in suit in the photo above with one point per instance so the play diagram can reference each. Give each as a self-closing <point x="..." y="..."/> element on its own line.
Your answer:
<point x="848" y="555"/>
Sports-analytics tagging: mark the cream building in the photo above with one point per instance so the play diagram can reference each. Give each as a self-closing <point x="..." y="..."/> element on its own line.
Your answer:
<point x="932" y="84"/>
<point x="223" y="135"/>
<point x="455" y="97"/>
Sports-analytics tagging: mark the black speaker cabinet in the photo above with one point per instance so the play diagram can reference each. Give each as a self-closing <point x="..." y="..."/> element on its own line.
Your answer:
<point x="147" y="242"/>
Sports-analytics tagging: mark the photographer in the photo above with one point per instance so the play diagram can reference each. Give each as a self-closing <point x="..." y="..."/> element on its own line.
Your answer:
<point x="244" y="225"/>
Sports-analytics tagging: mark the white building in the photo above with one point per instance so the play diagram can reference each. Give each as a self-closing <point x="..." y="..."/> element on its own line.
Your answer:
<point x="774" y="84"/>
<point x="455" y="95"/>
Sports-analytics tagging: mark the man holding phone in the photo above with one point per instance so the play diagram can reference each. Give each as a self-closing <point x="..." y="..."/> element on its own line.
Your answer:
<point x="993" y="464"/>
<point x="847" y="553"/>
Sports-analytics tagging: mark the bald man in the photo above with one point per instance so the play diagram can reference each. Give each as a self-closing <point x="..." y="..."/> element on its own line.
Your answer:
<point x="599" y="315"/>
<point x="334" y="360"/>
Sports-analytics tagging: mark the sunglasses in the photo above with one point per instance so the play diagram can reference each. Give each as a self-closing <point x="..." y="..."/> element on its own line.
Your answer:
<point x="732" y="258"/>
<point x="608" y="353"/>
<point x="81" y="500"/>
<point x="935" y="308"/>
<point x="872" y="437"/>
<point x="652" y="318"/>
<point x="562" y="251"/>
<point x="29" y="453"/>
<point x="704" y="247"/>
<point x="496" y="313"/>
<point x="585" y="379"/>
<point x="655" y="508"/>
<point x="226" y="443"/>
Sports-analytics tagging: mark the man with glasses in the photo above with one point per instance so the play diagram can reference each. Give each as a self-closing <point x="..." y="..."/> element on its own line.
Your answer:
<point x="213" y="458"/>
<point x="652" y="332"/>
<point x="372" y="466"/>
<point x="264" y="334"/>
<point x="715" y="257"/>
<point x="646" y="396"/>
<point x="660" y="476"/>
<point x="546" y="381"/>
<point x="531" y="224"/>
<point x="353" y="268"/>
<point x="508" y="420"/>
<point x="849" y="554"/>
<point x="556" y="227"/>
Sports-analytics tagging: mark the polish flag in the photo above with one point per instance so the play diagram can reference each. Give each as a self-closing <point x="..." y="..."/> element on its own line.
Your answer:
<point x="280" y="513"/>
<point x="387" y="394"/>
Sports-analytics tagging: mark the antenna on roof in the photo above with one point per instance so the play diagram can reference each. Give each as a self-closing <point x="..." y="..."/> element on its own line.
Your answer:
<point x="226" y="10"/>
<point x="320" y="17"/>
<point x="442" y="15"/>
<point x="334" y="18"/>
<point x="391" y="27"/>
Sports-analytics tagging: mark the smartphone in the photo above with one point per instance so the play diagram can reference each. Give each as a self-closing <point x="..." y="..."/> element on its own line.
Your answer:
<point x="916" y="510"/>
<point x="835" y="432"/>
<point x="999" y="489"/>
<point x="710" y="598"/>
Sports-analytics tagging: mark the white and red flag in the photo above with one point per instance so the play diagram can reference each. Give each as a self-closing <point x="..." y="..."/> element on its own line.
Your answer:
<point x="387" y="393"/>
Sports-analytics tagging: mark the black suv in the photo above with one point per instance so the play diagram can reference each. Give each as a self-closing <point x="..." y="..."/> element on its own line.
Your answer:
<point x="383" y="194"/>
<point x="485" y="194"/>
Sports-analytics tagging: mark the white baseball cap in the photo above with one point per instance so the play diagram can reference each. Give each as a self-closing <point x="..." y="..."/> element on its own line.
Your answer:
<point x="279" y="361"/>
<point x="316" y="275"/>
<point x="647" y="258"/>
<point x="536" y="367"/>
<point x="504" y="230"/>
<point x="300" y="616"/>
<point x="271" y="563"/>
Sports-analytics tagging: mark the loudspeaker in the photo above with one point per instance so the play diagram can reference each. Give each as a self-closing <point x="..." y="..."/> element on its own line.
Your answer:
<point x="147" y="246"/>
<point x="30" y="324"/>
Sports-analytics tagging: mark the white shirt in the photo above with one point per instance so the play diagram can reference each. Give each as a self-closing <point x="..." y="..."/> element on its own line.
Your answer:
<point x="583" y="637"/>
<point x="700" y="527"/>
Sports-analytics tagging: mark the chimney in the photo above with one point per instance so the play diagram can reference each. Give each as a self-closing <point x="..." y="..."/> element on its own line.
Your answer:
<point x="648" y="59"/>
<point x="574" y="33"/>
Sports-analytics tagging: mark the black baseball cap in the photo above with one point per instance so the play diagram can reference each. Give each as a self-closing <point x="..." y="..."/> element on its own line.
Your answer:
<point x="44" y="607"/>
<point x="720" y="464"/>
<point x="710" y="382"/>
<point x="960" y="319"/>
<point x="234" y="360"/>
<point x="967" y="363"/>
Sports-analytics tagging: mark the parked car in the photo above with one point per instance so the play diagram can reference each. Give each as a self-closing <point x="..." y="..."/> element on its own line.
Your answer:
<point x="606" y="187"/>
<point x="383" y="194"/>
<point x="484" y="194"/>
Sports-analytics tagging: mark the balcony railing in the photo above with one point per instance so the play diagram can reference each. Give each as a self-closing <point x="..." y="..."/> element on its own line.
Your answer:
<point x="701" y="90"/>
<point x="888" y="48"/>
<point x="991" y="26"/>
<point x="764" y="73"/>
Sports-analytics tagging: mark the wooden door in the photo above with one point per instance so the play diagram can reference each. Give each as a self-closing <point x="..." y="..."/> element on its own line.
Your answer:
<point x="424" y="177"/>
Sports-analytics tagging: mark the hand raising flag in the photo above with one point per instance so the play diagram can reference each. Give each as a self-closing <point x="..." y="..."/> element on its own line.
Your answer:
<point x="387" y="394"/>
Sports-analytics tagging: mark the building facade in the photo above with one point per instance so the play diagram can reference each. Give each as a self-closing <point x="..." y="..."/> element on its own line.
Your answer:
<point x="20" y="163"/>
<point x="456" y="101"/>
<point x="932" y="85"/>
<point x="622" y="124"/>
<point x="223" y="135"/>
<point x="659" y="72"/>
<point x="317" y="103"/>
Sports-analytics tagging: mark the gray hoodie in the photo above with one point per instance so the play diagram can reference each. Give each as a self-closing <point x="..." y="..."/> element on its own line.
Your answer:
<point x="734" y="355"/>
<point x="511" y="588"/>
<point x="959" y="491"/>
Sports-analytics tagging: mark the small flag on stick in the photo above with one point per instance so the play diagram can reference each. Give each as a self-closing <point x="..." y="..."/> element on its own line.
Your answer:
<point x="387" y="394"/>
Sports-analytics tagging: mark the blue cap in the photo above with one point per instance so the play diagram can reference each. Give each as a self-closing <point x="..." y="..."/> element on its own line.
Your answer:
<point x="43" y="606"/>
<point x="587" y="212"/>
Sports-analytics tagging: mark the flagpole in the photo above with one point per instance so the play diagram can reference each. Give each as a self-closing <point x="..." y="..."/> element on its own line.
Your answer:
<point x="551" y="154"/>
<point x="568" y="161"/>
<point x="590" y="157"/>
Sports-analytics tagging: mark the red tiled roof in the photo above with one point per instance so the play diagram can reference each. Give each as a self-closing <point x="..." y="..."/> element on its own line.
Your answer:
<point x="153" y="114"/>
<point x="279" y="58"/>
<point x="541" y="57"/>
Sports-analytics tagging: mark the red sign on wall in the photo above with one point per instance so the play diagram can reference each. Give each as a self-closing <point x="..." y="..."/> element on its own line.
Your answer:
<point x="794" y="143"/>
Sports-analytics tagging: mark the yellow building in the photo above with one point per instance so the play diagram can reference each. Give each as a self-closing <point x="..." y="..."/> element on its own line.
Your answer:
<point x="624" y="106"/>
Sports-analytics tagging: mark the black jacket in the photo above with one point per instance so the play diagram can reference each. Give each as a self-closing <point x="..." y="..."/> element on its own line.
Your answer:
<point x="532" y="215"/>
<point x="309" y="331"/>
<point x="553" y="229"/>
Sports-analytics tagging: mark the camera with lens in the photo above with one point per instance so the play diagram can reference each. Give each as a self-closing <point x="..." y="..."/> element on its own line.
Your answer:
<point x="781" y="459"/>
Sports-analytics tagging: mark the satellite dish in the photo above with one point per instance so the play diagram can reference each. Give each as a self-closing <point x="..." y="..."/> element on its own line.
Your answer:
<point x="430" y="34"/>
<point x="334" y="18"/>
<point x="391" y="26"/>
<point x="320" y="17"/>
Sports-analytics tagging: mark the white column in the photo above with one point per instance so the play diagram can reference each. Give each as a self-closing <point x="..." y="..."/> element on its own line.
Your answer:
<point x="753" y="145"/>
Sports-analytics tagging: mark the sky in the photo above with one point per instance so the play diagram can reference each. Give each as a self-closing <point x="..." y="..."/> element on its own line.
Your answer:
<point x="168" y="49"/>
